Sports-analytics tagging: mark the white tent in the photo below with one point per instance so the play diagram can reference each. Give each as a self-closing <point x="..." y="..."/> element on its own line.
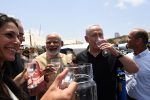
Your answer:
<point x="35" y="39"/>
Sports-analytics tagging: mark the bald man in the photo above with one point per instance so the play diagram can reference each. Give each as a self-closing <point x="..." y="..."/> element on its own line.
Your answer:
<point x="138" y="85"/>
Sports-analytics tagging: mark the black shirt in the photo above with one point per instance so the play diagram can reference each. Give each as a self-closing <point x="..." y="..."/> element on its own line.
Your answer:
<point x="104" y="72"/>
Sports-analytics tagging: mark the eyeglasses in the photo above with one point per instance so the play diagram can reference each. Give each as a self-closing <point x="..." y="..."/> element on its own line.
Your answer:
<point x="3" y="18"/>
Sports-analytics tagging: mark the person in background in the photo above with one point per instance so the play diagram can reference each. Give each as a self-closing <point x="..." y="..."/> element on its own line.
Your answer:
<point x="104" y="67"/>
<point x="148" y="45"/>
<point x="70" y="54"/>
<point x="26" y="52"/>
<point x="8" y="47"/>
<point x="33" y="52"/>
<point x="138" y="87"/>
<point x="47" y="61"/>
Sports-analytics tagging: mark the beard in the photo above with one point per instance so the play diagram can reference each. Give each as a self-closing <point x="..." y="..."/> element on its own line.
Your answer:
<point x="53" y="52"/>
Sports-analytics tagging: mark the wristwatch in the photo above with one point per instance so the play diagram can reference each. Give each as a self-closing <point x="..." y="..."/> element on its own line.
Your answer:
<point x="119" y="56"/>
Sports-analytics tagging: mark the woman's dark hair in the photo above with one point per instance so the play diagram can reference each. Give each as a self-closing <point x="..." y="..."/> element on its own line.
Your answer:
<point x="5" y="19"/>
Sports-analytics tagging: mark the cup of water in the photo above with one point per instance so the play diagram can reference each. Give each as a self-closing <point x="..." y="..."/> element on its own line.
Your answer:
<point x="105" y="52"/>
<point x="31" y="68"/>
<point x="53" y="70"/>
<point x="56" y="64"/>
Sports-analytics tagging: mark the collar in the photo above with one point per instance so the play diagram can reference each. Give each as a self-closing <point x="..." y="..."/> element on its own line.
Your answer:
<point x="143" y="53"/>
<point x="93" y="53"/>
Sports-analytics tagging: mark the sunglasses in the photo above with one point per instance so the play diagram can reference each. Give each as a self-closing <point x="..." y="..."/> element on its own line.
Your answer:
<point x="3" y="18"/>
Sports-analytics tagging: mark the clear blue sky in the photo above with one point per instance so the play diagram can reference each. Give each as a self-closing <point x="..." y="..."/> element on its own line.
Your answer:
<point x="71" y="17"/>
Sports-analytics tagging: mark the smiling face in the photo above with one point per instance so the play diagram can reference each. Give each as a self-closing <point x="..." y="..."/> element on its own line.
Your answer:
<point x="9" y="42"/>
<point x="53" y="44"/>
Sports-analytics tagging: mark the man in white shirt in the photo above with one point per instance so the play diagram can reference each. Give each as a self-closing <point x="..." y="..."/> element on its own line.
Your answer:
<point x="138" y="84"/>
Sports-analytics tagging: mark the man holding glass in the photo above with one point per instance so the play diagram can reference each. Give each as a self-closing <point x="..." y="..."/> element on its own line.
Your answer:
<point x="138" y="84"/>
<point x="51" y="62"/>
<point x="104" y="66"/>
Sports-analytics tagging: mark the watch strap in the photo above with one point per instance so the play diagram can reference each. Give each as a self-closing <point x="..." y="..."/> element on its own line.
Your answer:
<point x="119" y="56"/>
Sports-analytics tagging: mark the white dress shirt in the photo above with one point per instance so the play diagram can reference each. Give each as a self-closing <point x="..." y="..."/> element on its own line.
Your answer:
<point x="138" y="84"/>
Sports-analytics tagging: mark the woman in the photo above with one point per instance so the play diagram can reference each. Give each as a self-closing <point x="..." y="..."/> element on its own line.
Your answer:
<point x="9" y="44"/>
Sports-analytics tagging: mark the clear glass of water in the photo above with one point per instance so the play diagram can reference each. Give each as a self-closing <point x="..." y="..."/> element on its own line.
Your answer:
<point x="57" y="64"/>
<point x="83" y="75"/>
<point x="53" y="70"/>
<point x="99" y="41"/>
<point x="31" y="67"/>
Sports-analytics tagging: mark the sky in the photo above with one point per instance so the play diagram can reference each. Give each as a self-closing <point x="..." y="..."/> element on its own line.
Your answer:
<point x="70" y="18"/>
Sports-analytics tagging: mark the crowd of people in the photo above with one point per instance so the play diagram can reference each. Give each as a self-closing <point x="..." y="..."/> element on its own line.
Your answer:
<point x="15" y="79"/>
<point x="104" y="70"/>
<point x="9" y="84"/>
